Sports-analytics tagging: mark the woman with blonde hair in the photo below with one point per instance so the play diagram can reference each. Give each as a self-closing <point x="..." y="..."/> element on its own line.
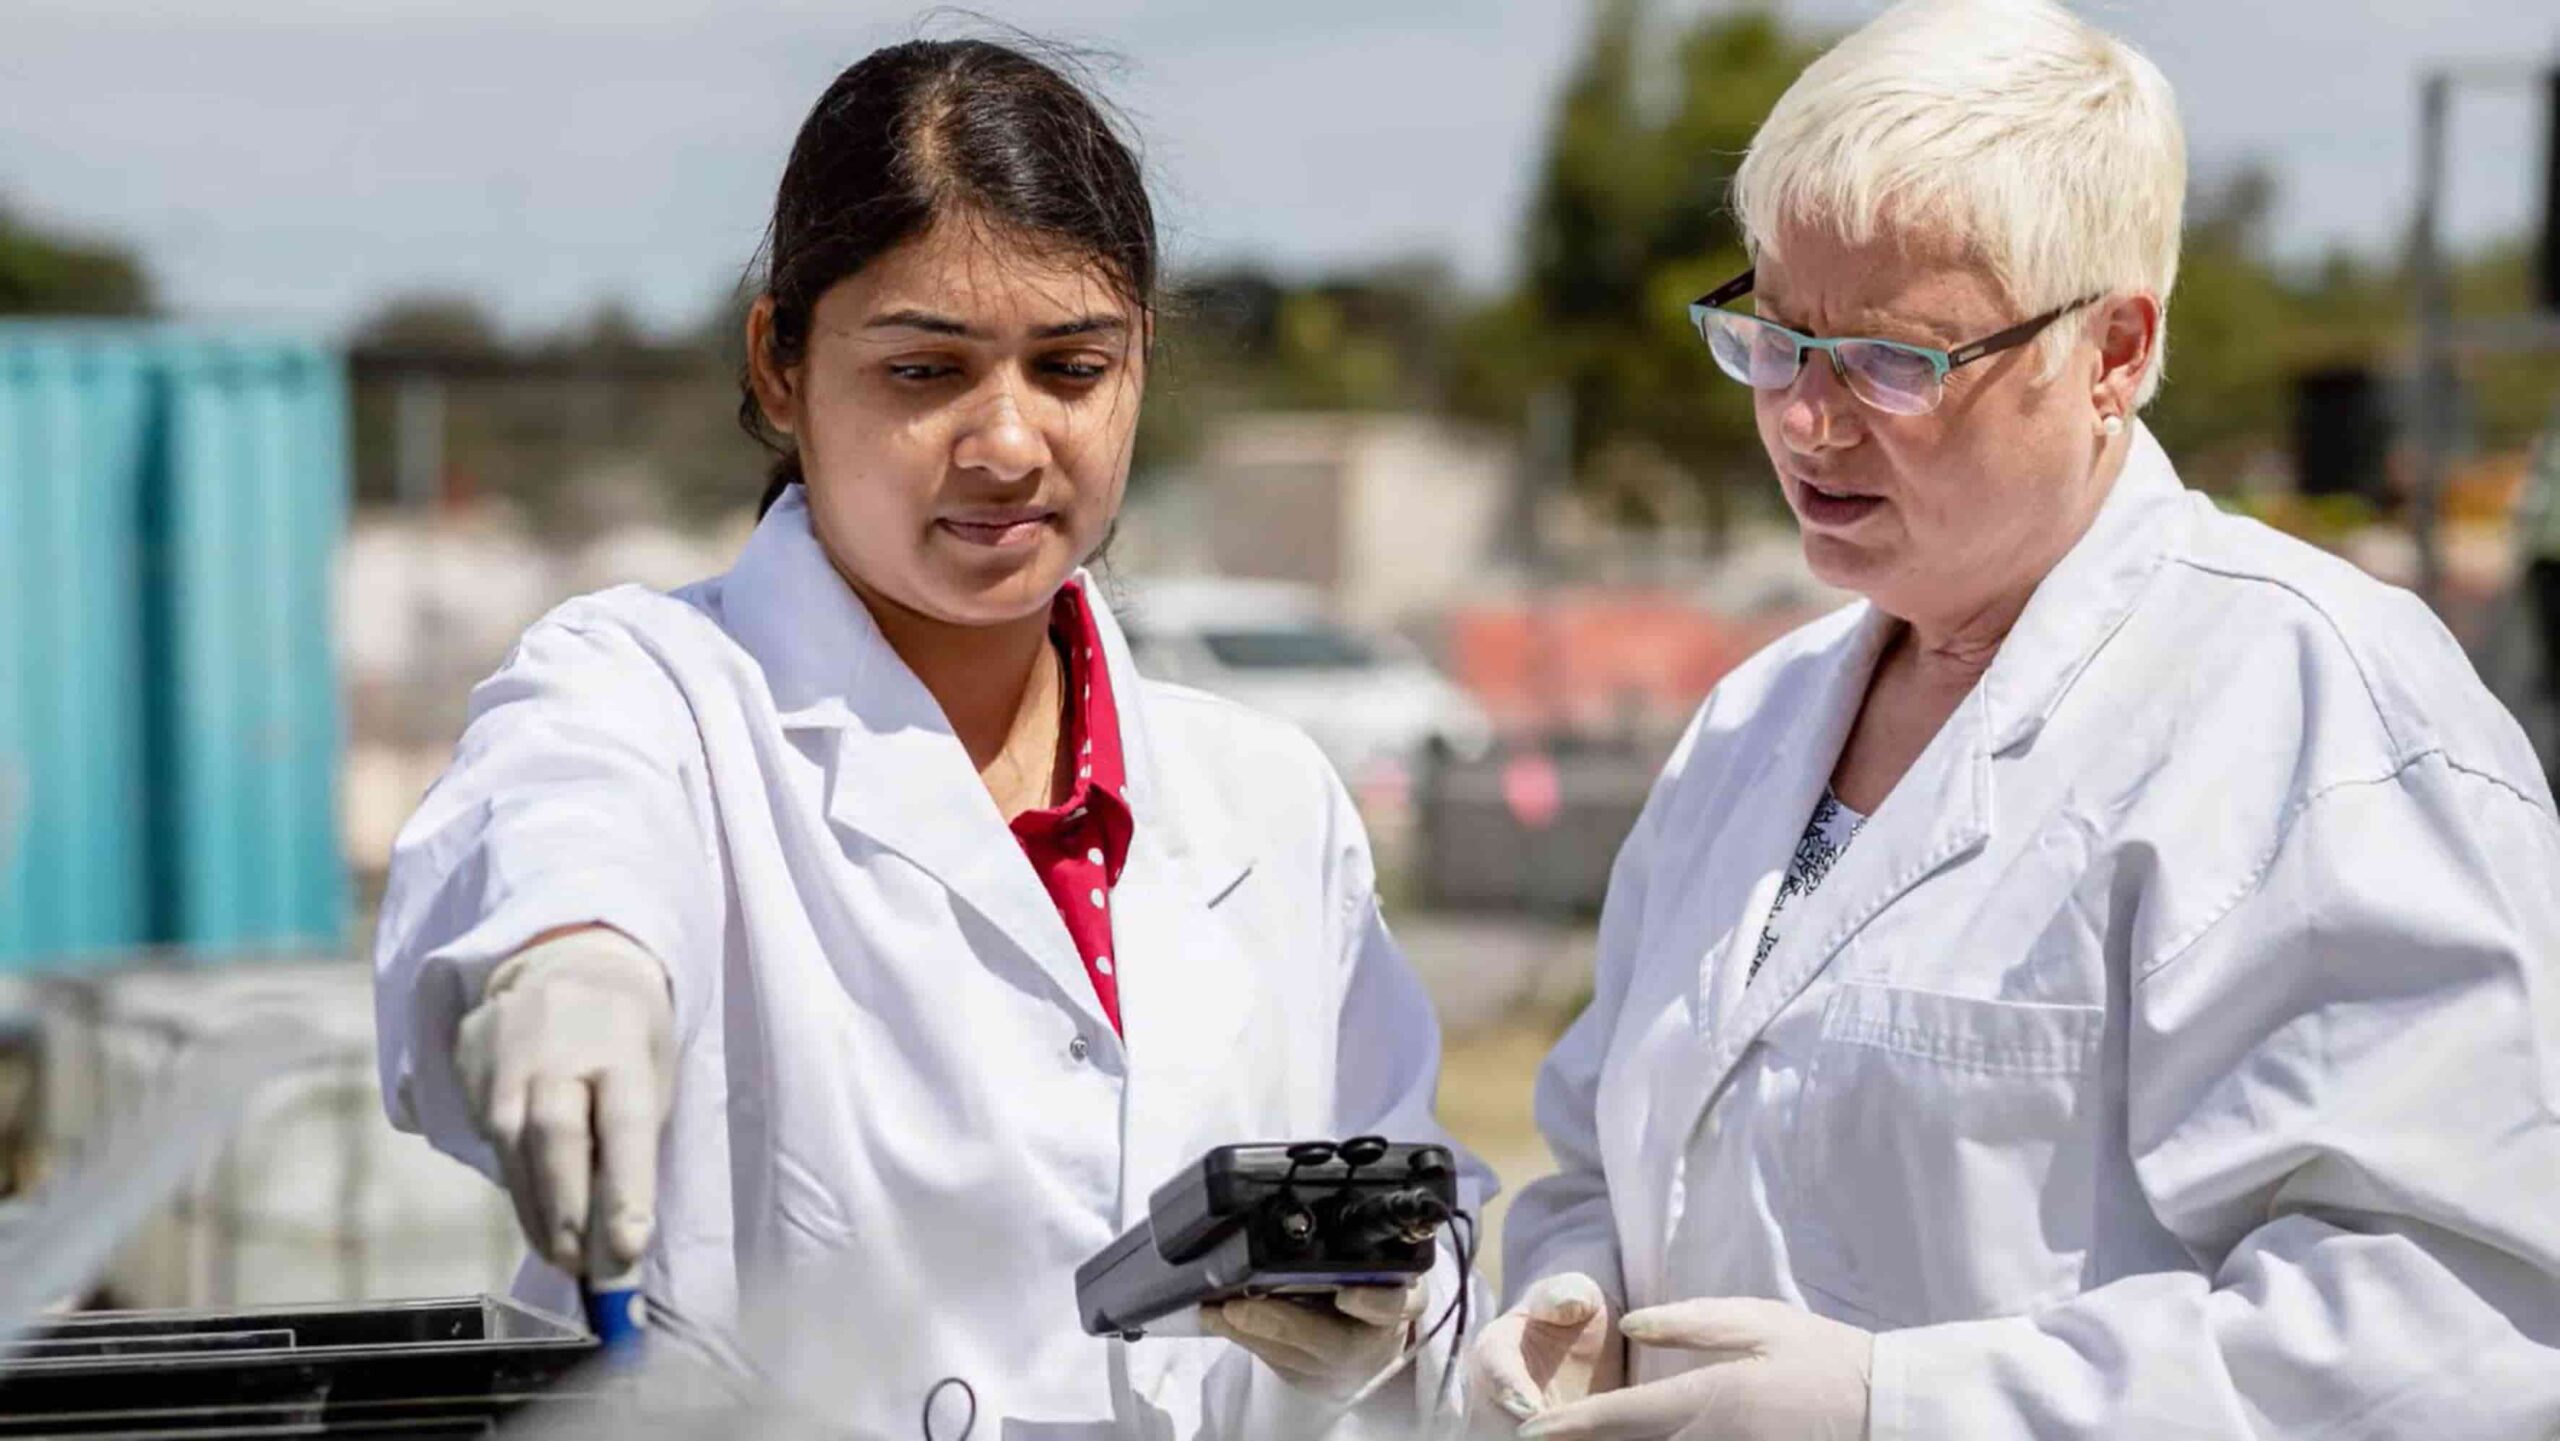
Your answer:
<point x="2101" y="983"/>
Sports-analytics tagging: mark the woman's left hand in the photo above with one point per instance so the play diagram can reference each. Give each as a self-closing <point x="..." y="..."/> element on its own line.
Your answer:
<point x="1773" y="1373"/>
<point x="1333" y="1352"/>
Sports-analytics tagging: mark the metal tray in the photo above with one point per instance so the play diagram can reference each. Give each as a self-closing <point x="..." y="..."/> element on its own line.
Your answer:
<point x="452" y="1367"/>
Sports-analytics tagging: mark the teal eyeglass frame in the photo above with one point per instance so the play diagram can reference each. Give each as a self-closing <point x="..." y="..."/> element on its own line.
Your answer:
<point x="1941" y="362"/>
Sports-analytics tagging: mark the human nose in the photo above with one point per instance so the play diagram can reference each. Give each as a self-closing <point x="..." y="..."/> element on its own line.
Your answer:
<point x="1820" y="414"/>
<point x="1000" y="437"/>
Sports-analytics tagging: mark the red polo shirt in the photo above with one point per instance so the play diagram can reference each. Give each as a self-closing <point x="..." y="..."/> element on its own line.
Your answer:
<point x="1080" y="845"/>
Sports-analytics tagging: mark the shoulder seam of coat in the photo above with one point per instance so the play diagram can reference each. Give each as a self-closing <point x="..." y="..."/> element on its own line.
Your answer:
<point x="2185" y="945"/>
<point x="2532" y="802"/>
<point x="2402" y="756"/>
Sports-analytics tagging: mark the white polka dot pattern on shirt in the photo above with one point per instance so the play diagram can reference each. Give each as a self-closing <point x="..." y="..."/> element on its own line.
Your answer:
<point x="1097" y="898"/>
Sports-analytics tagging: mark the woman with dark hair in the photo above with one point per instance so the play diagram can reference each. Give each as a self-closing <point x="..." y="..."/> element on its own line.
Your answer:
<point x="861" y="907"/>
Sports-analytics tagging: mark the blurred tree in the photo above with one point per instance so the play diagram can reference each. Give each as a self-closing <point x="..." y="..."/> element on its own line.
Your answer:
<point x="2234" y="327"/>
<point x="2242" y="326"/>
<point x="45" y="273"/>
<point x="433" y="320"/>
<point x="1628" y="224"/>
<point x="596" y="423"/>
<point x="422" y="324"/>
<point x="2513" y="395"/>
<point x="1240" y="338"/>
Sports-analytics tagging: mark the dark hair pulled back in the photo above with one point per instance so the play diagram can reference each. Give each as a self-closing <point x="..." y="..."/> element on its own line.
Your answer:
<point x="934" y="129"/>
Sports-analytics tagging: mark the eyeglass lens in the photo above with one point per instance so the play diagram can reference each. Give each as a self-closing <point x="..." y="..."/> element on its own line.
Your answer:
<point x="1765" y="357"/>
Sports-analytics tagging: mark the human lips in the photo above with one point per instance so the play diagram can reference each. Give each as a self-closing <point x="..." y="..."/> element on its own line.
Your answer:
<point x="998" y="529"/>
<point x="1830" y="504"/>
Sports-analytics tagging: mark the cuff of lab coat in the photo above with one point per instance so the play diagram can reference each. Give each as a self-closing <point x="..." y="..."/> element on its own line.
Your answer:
<point x="1934" y="1381"/>
<point x="452" y="978"/>
<point x="1888" y="1384"/>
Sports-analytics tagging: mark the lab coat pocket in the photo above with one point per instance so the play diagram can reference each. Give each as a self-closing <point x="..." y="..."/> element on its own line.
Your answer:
<point x="1946" y="1153"/>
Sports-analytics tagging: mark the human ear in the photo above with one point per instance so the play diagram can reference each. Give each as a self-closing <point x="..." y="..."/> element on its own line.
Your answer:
<point x="776" y="385"/>
<point x="2127" y="331"/>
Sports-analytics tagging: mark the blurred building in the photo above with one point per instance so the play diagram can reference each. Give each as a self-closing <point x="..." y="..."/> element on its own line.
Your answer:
<point x="1389" y="517"/>
<point x="430" y="602"/>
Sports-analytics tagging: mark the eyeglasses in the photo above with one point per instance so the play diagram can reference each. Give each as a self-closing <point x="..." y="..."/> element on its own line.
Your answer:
<point x="1893" y="377"/>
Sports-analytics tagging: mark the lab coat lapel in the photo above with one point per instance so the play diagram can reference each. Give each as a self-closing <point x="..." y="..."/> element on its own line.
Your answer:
<point x="912" y="790"/>
<point x="1187" y="988"/>
<point x="894" y="775"/>
<point x="1737" y="859"/>
<point x="1939" y="812"/>
<point x="1186" y="991"/>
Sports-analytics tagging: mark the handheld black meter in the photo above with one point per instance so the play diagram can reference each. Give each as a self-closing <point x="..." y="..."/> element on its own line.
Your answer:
<point x="1273" y="1219"/>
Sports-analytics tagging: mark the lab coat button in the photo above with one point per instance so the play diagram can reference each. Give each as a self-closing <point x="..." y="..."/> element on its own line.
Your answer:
<point x="1079" y="1048"/>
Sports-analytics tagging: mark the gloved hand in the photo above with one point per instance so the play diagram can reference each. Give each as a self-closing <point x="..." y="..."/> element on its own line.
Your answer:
<point x="1554" y="1348"/>
<point x="568" y="1064"/>
<point x="1331" y="1353"/>
<point x="1775" y="1373"/>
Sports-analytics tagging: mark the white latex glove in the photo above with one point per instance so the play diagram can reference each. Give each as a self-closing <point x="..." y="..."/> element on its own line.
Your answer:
<point x="1774" y="1373"/>
<point x="568" y="1064"/>
<point x="1553" y="1348"/>
<point x="1332" y="1353"/>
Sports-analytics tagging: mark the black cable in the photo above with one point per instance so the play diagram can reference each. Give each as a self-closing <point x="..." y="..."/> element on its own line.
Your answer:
<point x="1462" y="1227"/>
<point x="1301" y="1156"/>
<point x="966" y="1390"/>
<point x="1458" y="1307"/>
<point x="1465" y="1245"/>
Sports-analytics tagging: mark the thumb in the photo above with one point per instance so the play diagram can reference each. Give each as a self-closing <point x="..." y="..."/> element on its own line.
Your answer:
<point x="1570" y="1299"/>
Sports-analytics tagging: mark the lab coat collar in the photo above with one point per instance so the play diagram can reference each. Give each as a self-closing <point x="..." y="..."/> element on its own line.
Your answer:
<point x="2087" y="595"/>
<point x="896" y="774"/>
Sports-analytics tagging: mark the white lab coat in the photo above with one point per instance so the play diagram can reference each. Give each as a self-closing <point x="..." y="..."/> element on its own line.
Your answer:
<point x="2175" y="1052"/>
<point x="891" y="1061"/>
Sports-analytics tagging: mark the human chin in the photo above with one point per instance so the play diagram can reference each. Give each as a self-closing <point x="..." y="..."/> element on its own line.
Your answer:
<point x="981" y="579"/>
<point x="1844" y="563"/>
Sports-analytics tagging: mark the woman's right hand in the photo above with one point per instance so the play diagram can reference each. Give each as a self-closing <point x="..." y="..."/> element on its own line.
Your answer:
<point x="568" y="1063"/>
<point x="1558" y="1345"/>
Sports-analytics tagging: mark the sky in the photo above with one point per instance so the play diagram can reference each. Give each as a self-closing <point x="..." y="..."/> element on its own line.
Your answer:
<point x="294" y="162"/>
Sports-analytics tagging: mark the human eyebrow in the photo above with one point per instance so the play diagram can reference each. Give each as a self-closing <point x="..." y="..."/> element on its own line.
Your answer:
<point x="922" y="320"/>
<point x="1083" y="325"/>
<point x="1868" y="325"/>
<point x="932" y="324"/>
<point x="1932" y="333"/>
<point x="1766" y="309"/>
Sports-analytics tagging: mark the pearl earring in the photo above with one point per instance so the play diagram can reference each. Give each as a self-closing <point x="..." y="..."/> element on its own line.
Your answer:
<point x="2111" y="425"/>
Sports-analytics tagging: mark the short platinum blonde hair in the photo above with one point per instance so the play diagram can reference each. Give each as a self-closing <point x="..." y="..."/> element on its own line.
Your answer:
<point x="2040" y="143"/>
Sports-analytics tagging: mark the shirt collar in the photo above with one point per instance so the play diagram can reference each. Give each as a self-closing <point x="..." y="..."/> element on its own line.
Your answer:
<point x="1092" y="736"/>
<point x="1093" y="708"/>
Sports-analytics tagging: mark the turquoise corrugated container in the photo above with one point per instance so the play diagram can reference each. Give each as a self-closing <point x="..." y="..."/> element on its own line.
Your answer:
<point x="170" y="506"/>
